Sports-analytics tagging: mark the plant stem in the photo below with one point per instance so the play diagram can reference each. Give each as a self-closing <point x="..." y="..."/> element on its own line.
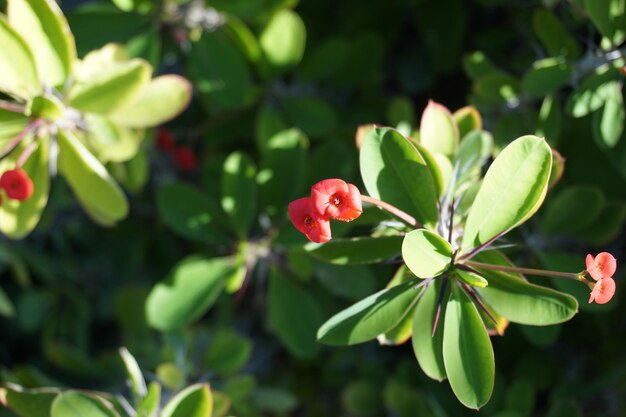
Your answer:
<point x="18" y="138"/>
<point x="407" y="218"/>
<point x="529" y="271"/>
<point x="12" y="107"/>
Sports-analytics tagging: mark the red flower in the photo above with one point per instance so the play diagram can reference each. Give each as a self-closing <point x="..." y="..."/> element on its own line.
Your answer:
<point x="602" y="266"/>
<point x="185" y="159"/>
<point x="17" y="184"/>
<point x="603" y="291"/>
<point x="165" y="140"/>
<point x="308" y="221"/>
<point x="337" y="199"/>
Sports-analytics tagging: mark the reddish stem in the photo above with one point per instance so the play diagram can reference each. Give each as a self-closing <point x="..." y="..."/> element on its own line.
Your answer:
<point x="12" y="107"/>
<point x="18" y="138"/>
<point x="529" y="271"/>
<point x="407" y="218"/>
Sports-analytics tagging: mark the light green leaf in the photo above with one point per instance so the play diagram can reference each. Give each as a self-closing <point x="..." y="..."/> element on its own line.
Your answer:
<point x="98" y="193"/>
<point x="370" y="317"/>
<point x="608" y="123"/>
<point x="48" y="107"/>
<point x="132" y="174"/>
<point x="393" y="170"/>
<point x="133" y="372"/>
<point x="32" y="402"/>
<point x="198" y="219"/>
<point x="109" y="141"/>
<point x="44" y="27"/>
<point x="592" y="93"/>
<point x="283" y="39"/>
<point x="356" y="251"/>
<point x="17" y="64"/>
<point x="19" y="218"/>
<point x="113" y="89"/>
<point x="512" y="191"/>
<point x="149" y="406"/>
<point x="294" y="315"/>
<point x="471" y="278"/>
<point x="77" y="404"/>
<point x="467" y="352"/>
<point x="467" y="119"/>
<point x="476" y="147"/>
<point x="428" y="349"/>
<point x="239" y="191"/>
<point x="565" y="215"/>
<point x="438" y="130"/>
<point x="549" y="120"/>
<point x="164" y="98"/>
<point x="546" y="75"/>
<point x="426" y="253"/>
<point x="188" y="291"/>
<point x="608" y="16"/>
<point x="525" y="303"/>
<point x="11" y="124"/>
<point x="194" y="401"/>
<point x="497" y="88"/>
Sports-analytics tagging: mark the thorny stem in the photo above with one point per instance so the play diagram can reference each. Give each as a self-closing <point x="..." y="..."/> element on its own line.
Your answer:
<point x="529" y="271"/>
<point x="407" y="218"/>
<point x="18" y="138"/>
<point x="480" y="303"/>
<point x="26" y="153"/>
<point x="442" y="292"/>
<point x="12" y="107"/>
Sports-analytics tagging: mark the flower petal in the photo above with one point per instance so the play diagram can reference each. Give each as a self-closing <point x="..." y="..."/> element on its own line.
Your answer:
<point x="606" y="263"/>
<point x="603" y="291"/>
<point x="324" y="190"/>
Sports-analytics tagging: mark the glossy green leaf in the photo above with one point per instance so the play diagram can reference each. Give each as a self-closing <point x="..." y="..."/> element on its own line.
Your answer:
<point x="132" y="174"/>
<point x="188" y="291"/>
<point x="77" y="404"/>
<point x="98" y="193"/>
<point x="220" y="71"/>
<point x="109" y="141"/>
<point x="227" y="352"/>
<point x="467" y="119"/>
<point x="294" y="315"/>
<point x="116" y="87"/>
<point x="471" y="278"/>
<point x="17" y="64"/>
<point x="592" y="93"/>
<point x="546" y="75"/>
<point x="608" y="123"/>
<point x="197" y="219"/>
<point x="164" y="98"/>
<point x="239" y="191"/>
<point x="553" y="35"/>
<point x="467" y="352"/>
<point x="43" y="26"/>
<point x="30" y="403"/>
<point x="608" y="17"/>
<point x="476" y="148"/>
<point x="428" y="349"/>
<point x="525" y="303"/>
<point x="194" y="401"/>
<point x="438" y="131"/>
<point x="170" y="375"/>
<point x="398" y="334"/>
<point x="512" y="191"/>
<point x="370" y="317"/>
<point x="134" y="374"/>
<point x="393" y="170"/>
<point x="149" y="406"/>
<point x="426" y="253"/>
<point x="565" y="215"/>
<point x="19" y="218"/>
<point x="356" y="251"/>
<point x="283" y="39"/>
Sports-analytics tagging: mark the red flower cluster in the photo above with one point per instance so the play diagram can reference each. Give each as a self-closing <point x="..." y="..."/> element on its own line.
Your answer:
<point x="330" y="199"/>
<point x="601" y="268"/>
<point x="182" y="155"/>
<point x="17" y="184"/>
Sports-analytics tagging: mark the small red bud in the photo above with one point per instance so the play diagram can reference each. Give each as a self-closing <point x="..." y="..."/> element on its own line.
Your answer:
<point x="17" y="184"/>
<point x="165" y="140"/>
<point x="185" y="159"/>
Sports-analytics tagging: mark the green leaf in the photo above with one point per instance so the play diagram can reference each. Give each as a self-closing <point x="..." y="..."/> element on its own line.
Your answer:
<point x="137" y="382"/>
<point x="220" y="71"/>
<point x="6" y="306"/>
<point x="476" y="147"/>
<point x="283" y="39"/>
<point x="294" y="315"/>
<point x="608" y="123"/>
<point x="608" y="16"/>
<point x="393" y="170"/>
<point x="438" y="131"/>
<point x="606" y="226"/>
<point x="194" y="401"/>
<point x="197" y="219"/>
<point x="467" y="352"/>
<point x="426" y="253"/>
<point x="467" y="119"/>
<point x="164" y="98"/>
<point x="114" y="88"/>
<point x="132" y="174"/>
<point x="227" y="353"/>
<point x="19" y="218"/>
<point x="401" y="110"/>
<point x="362" y="398"/>
<point x="98" y="193"/>
<point x="43" y="26"/>
<point x="314" y="116"/>
<point x="77" y="404"/>
<point x="428" y="349"/>
<point x="565" y="215"/>
<point x="32" y="402"/>
<point x="471" y="278"/>
<point x="187" y="292"/>
<point x="546" y="75"/>
<point x="149" y="406"/>
<point x="525" y="303"/>
<point x="592" y="93"/>
<point x="553" y="35"/>
<point x="17" y="64"/>
<point x="269" y="122"/>
<point x="274" y="400"/>
<point x="356" y="251"/>
<point x="11" y="124"/>
<point x="239" y="191"/>
<point x="549" y="120"/>
<point x="352" y="282"/>
<point x="404" y="401"/>
<point x="520" y="397"/>
<point x="48" y="107"/>
<point x="512" y="190"/>
<point x="374" y="315"/>
<point x="109" y="141"/>
<point x="497" y="88"/>
<point x="221" y="404"/>
<point x="478" y="65"/>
